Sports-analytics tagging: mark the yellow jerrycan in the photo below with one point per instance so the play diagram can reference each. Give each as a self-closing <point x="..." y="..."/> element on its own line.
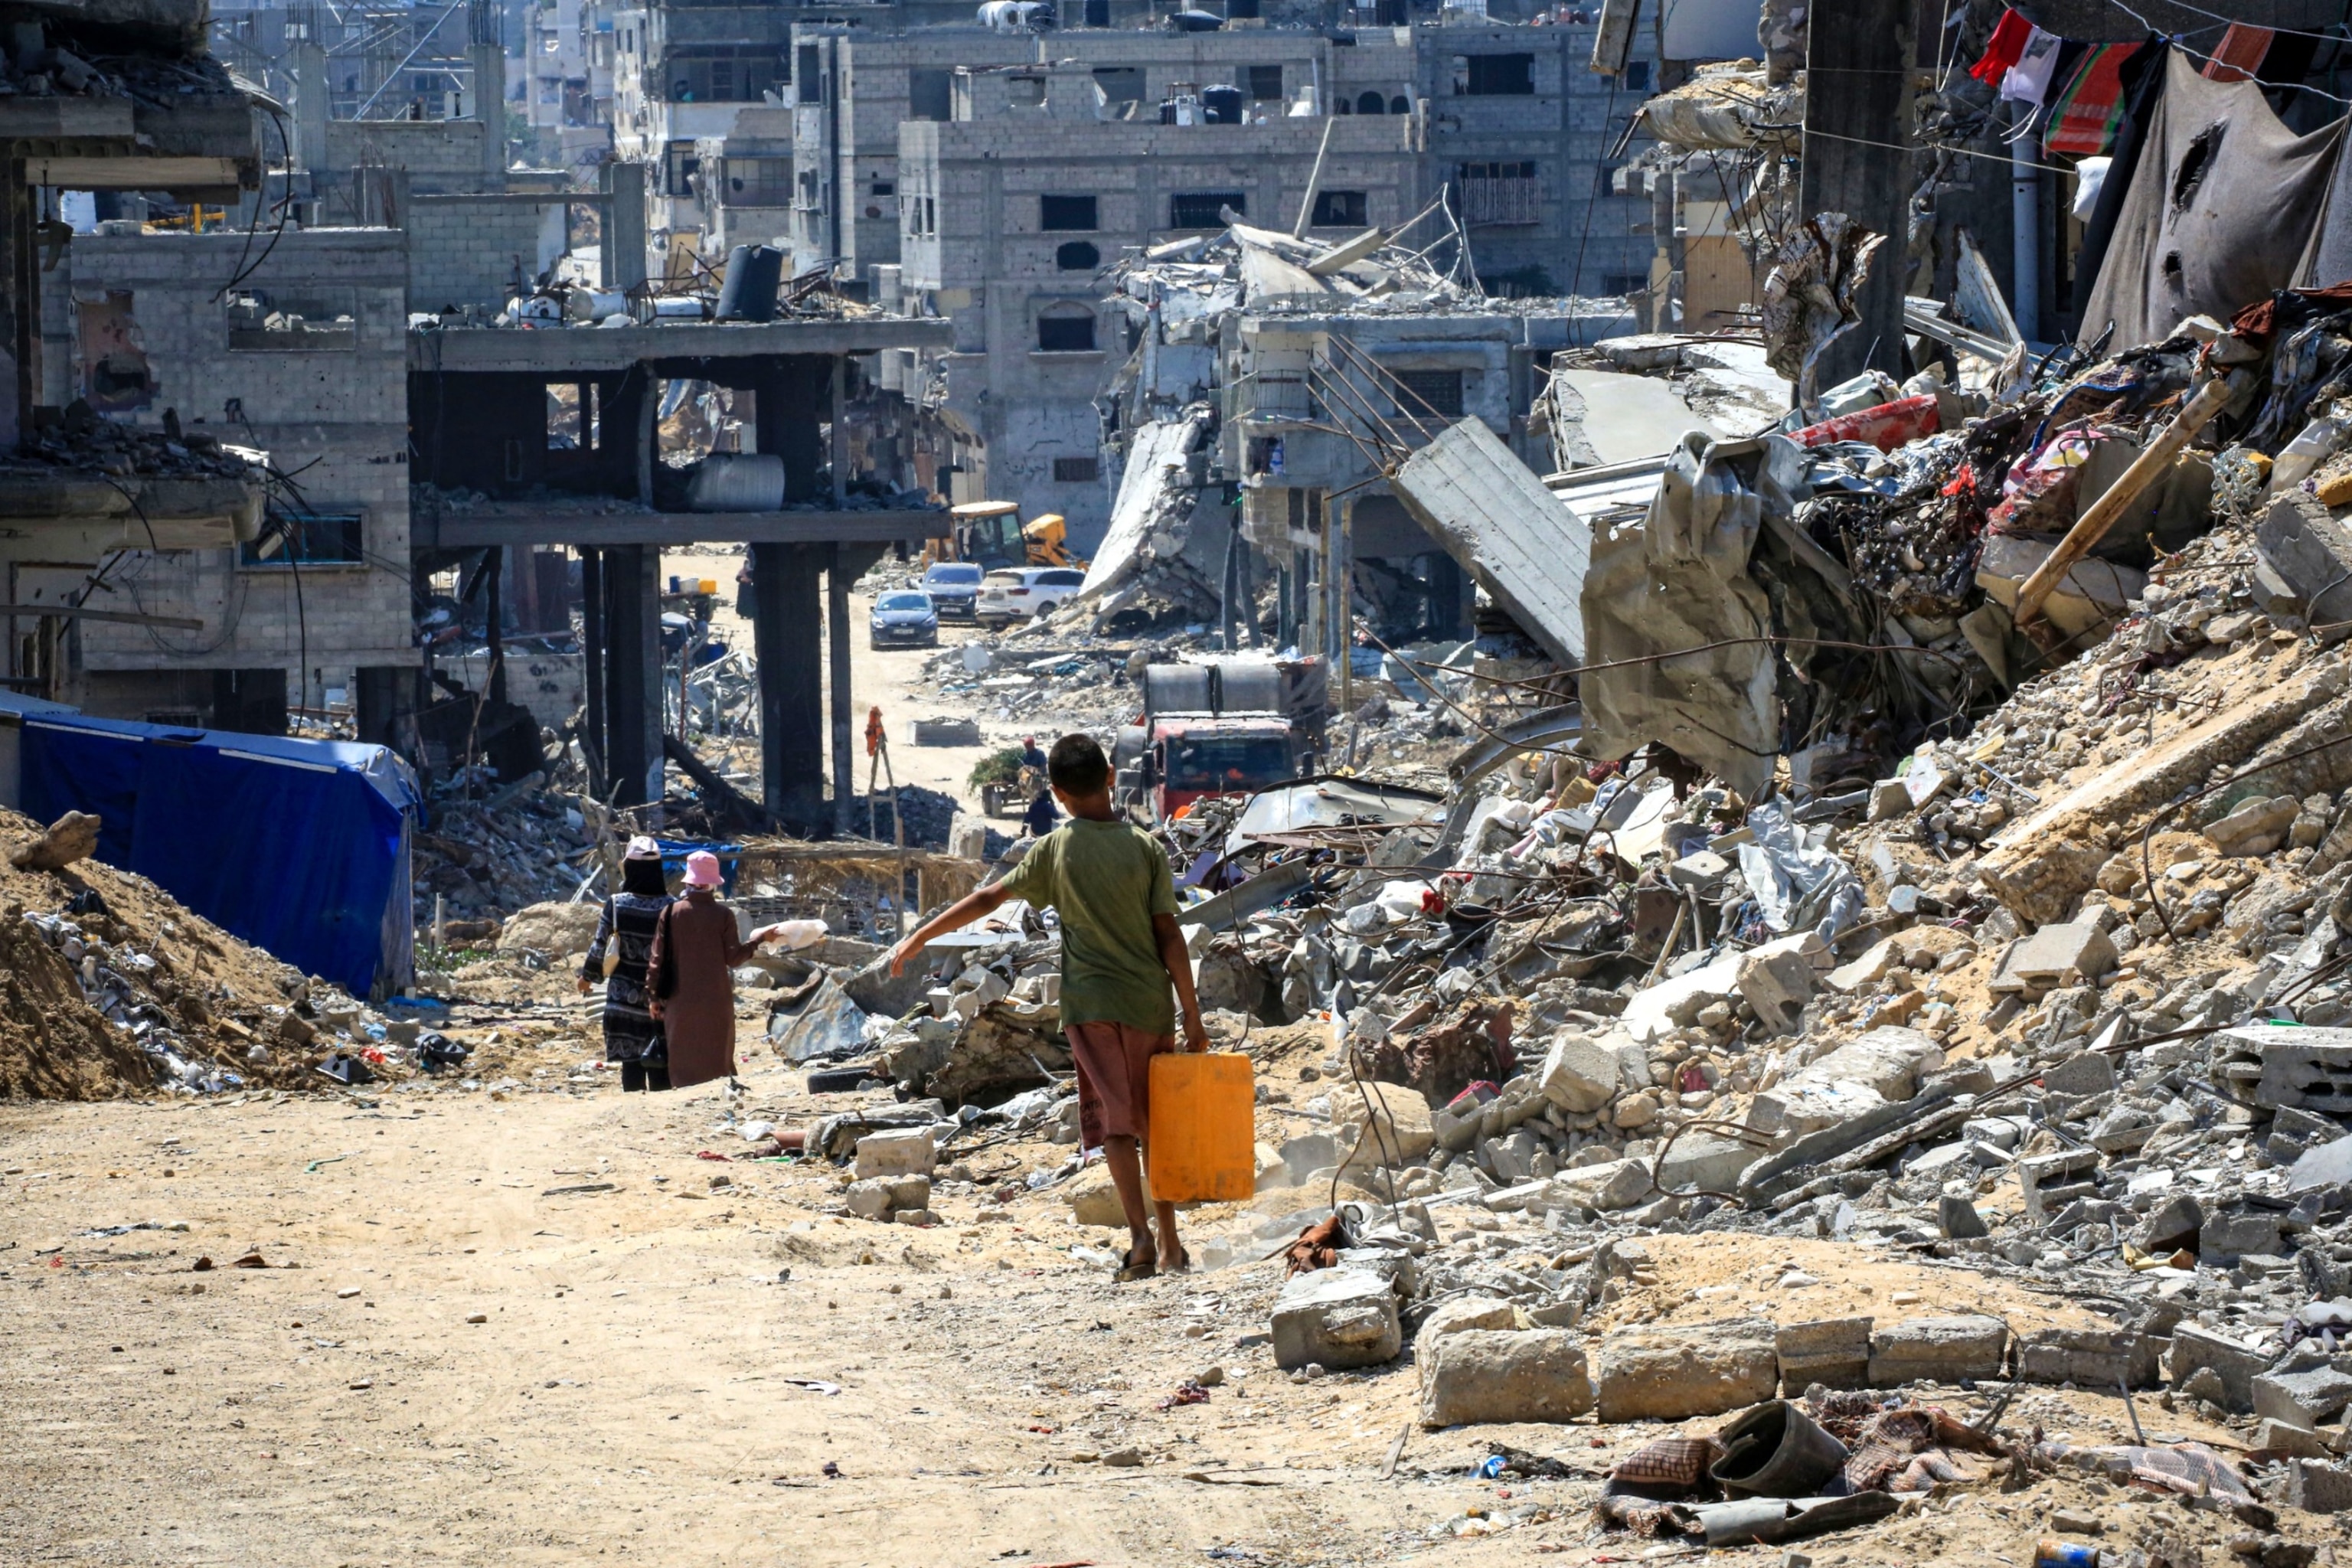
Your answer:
<point x="1202" y="1139"/>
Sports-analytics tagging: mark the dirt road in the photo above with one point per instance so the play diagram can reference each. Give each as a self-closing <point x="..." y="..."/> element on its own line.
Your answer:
<point x="532" y="1325"/>
<point x="890" y="677"/>
<point x="471" y="1363"/>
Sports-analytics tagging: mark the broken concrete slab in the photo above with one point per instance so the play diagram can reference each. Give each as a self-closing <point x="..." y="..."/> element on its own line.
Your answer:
<point x="1610" y="1186"/>
<point x="1511" y="534"/>
<point x="2048" y="1182"/>
<point x="2304" y="1398"/>
<point x="1938" y="1350"/>
<point x="2308" y="549"/>
<point x="2234" y="1366"/>
<point x="2290" y="1442"/>
<point x="2088" y="1358"/>
<point x="2327" y="1166"/>
<point x="1834" y="1351"/>
<point x="2085" y="1072"/>
<point x="1672" y="1374"/>
<point x="2277" y="1066"/>
<point x="1675" y="1003"/>
<point x="1521" y="1374"/>
<point x="1776" y="987"/>
<point x="2041" y="863"/>
<point x="2171" y="1225"/>
<point x="903" y="1151"/>
<point x="2233" y="1234"/>
<point x="2055" y="955"/>
<point x="1880" y="1067"/>
<point x="2254" y="826"/>
<point x="2317" y="1488"/>
<point x="1959" y="1220"/>
<point x="1703" y="1161"/>
<point x="1579" y="1072"/>
<point x="880" y="1197"/>
<point x="1336" y="1317"/>
<point x="1463" y="1312"/>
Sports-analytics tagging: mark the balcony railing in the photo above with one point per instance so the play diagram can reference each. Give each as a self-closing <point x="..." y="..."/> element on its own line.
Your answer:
<point x="1272" y="395"/>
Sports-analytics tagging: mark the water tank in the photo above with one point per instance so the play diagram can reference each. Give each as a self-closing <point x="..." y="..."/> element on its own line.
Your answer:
<point x="1222" y="105"/>
<point x="1178" y="688"/>
<point x="1241" y="10"/>
<point x="1248" y="686"/>
<point x="737" y="481"/>
<point x="755" y="273"/>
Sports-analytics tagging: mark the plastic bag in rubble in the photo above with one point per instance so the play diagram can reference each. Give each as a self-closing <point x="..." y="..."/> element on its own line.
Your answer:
<point x="1793" y="881"/>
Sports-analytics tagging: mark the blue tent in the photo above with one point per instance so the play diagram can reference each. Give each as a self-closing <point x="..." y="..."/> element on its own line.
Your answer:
<point x="301" y="847"/>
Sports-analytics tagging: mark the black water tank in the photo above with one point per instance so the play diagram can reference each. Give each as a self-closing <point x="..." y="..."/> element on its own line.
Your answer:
<point x="1241" y="10"/>
<point x="1222" y="105"/>
<point x="1392" y="13"/>
<point x="1097" y="14"/>
<point x="754" y="275"/>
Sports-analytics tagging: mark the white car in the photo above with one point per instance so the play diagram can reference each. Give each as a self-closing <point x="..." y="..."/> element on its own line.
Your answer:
<point x="1018" y="593"/>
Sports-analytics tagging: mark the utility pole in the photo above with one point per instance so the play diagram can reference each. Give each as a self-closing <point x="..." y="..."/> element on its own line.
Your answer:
<point x="1857" y="161"/>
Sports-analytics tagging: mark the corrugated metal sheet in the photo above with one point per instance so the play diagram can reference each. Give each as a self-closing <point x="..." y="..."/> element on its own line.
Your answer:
<point x="1523" y="546"/>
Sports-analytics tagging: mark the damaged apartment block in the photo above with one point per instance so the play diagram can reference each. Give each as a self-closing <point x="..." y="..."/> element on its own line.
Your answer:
<point x="104" y="97"/>
<point x="500" y="463"/>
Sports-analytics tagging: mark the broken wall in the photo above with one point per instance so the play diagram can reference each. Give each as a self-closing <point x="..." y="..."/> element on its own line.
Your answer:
<point x="327" y="400"/>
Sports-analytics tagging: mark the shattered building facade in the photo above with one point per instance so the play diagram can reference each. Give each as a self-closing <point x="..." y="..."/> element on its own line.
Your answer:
<point x="305" y="359"/>
<point x="1041" y="174"/>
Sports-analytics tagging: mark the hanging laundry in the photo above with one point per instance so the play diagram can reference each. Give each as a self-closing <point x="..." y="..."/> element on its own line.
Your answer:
<point x="2004" y="50"/>
<point x="2087" y="110"/>
<point x="2240" y="54"/>
<point x="2223" y="205"/>
<point x="2028" y="81"/>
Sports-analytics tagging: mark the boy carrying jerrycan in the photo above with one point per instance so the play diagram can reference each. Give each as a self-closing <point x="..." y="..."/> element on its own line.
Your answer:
<point x="1122" y="951"/>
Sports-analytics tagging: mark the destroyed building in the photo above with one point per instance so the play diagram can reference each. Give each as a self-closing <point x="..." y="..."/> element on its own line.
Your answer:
<point x="307" y="359"/>
<point x="1040" y="175"/>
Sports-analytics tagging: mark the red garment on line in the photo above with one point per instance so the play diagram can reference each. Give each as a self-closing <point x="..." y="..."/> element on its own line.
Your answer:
<point x="2003" y="49"/>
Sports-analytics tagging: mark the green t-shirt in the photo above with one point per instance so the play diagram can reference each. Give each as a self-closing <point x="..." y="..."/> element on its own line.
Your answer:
<point x="1105" y="879"/>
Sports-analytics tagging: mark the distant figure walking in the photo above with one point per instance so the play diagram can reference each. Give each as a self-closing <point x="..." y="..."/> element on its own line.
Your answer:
<point x="623" y="945"/>
<point x="695" y="953"/>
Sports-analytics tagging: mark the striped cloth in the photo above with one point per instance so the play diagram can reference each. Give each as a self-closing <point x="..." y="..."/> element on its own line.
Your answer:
<point x="2084" y="114"/>
<point x="2240" y="53"/>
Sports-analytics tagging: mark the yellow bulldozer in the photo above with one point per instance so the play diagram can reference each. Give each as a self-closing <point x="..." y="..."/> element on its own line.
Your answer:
<point x="990" y="535"/>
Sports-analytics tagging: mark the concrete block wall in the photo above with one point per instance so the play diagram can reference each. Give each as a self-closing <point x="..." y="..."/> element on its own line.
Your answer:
<point x="338" y="415"/>
<point x="468" y="252"/>
<point x="439" y="155"/>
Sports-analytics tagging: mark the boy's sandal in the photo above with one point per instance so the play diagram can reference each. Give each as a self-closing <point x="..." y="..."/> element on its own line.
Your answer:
<point x="1131" y="1270"/>
<point x="1184" y="1264"/>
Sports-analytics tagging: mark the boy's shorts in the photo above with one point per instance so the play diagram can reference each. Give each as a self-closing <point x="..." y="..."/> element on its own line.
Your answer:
<point x="1114" y="1062"/>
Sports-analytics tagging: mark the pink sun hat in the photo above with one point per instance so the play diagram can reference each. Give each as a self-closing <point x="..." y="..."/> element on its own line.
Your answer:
<point x="702" y="870"/>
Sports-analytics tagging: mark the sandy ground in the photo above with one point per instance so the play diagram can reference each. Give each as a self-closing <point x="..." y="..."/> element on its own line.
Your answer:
<point x="452" y="1358"/>
<point x="888" y="677"/>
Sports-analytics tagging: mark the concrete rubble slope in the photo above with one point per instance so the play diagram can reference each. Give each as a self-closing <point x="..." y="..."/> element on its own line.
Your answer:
<point x="1830" y="1025"/>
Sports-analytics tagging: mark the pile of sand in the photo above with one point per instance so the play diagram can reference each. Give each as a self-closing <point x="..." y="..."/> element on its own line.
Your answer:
<point x="214" y="997"/>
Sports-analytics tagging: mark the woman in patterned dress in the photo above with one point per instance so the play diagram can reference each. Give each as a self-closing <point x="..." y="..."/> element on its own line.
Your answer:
<point x="624" y="940"/>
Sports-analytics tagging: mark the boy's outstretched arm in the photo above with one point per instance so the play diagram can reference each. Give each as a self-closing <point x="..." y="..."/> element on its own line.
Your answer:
<point x="955" y="917"/>
<point x="1179" y="964"/>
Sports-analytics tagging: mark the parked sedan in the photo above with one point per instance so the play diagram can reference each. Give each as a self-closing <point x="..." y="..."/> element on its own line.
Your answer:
<point x="905" y="618"/>
<point x="953" y="585"/>
<point x="1019" y="593"/>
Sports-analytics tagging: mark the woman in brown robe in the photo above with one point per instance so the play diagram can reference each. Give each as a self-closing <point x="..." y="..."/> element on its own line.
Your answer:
<point x="695" y="950"/>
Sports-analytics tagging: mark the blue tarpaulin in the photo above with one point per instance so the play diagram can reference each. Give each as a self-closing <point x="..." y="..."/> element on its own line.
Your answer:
<point x="301" y="847"/>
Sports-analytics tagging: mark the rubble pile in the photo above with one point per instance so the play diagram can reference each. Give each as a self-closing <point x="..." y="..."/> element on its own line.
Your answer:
<point x="480" y="858"/>
<point x="2026" y="958"/>
<point x="79" y="438"/>
<point x="108" y="987"/>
